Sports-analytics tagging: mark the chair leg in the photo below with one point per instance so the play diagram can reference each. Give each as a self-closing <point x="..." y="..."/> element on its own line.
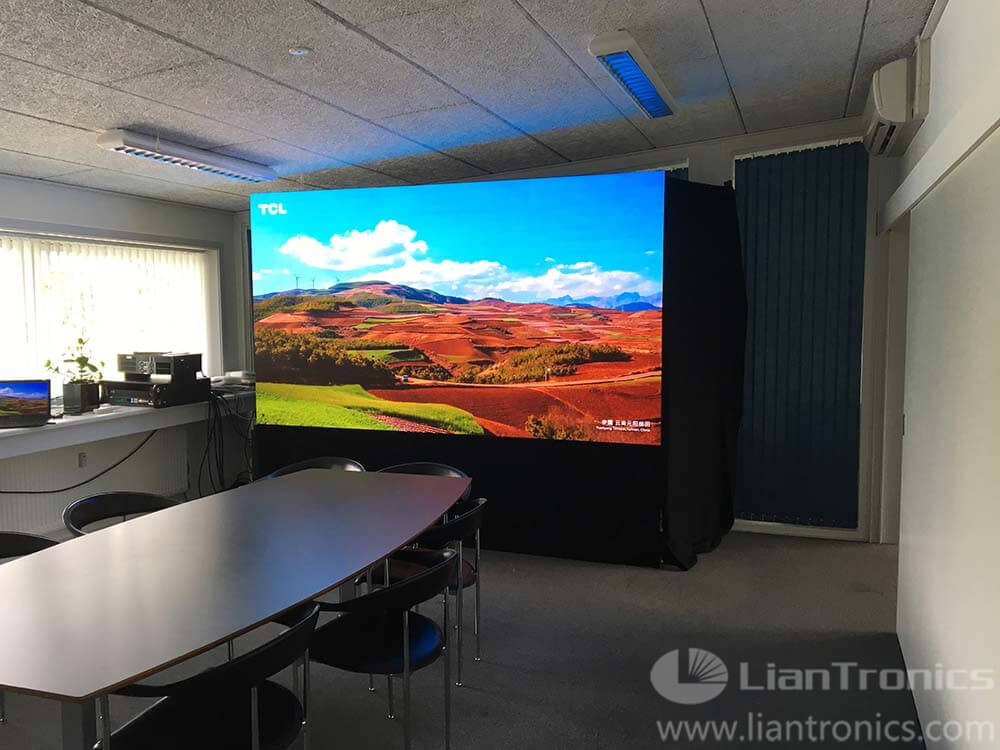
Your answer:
<point x="3" y="708"/>
<point x="305" y="687"/>
<point x="458" y="597"/>
<point x="479" y="656"/>
<point x="368" y="590"/>
<point x="446" y="655"/>
<point x="406" y="679"/>
<point x="254" y="720"/>
<point x="388" y="682"/>
<point x="105" y="723"/>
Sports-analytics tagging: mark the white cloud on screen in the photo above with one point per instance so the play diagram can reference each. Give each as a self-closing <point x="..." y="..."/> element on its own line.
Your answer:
<point x="388" y="244"/>
<point x="390" y="252"/>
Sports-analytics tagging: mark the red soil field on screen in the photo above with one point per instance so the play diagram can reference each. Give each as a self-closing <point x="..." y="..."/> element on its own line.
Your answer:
<point x="461" y="355"/>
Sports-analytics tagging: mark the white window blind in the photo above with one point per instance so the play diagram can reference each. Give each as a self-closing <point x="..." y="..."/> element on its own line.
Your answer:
<point x="119" y="297"/>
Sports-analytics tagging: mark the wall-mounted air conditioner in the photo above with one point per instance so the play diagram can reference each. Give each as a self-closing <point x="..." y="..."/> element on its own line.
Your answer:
<point x="898" y="101"/>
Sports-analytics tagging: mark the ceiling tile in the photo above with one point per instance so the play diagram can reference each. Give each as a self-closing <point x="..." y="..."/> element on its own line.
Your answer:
<point x="32" y="90"/>
<point x="84" y="41"/>
<point x="595" y="139"/>
<point x="274" y="186"/>
<point x="492" y="53"/>
<point x="890" y="29"/>
<point x="361" y="12"/>
<point x="348" y="177"/>
<point x="226" y="92"/>
<point x="424" y="168"/>
<point x="507" y="155"/>
<point x="29" y="165"/>
<point x="790" y="61"/>
<point x="24" y="133"/>
<point x="345" y="68"/>
<point x="448" y="127"/>
<point x="128" y="184"/>
<point x="469" y="132"/>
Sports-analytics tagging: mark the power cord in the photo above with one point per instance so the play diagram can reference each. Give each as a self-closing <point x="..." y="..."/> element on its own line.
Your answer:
<point x="85" y="481"/>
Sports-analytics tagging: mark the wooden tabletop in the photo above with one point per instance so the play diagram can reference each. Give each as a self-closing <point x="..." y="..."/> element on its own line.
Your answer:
<point x="112" y="607"/>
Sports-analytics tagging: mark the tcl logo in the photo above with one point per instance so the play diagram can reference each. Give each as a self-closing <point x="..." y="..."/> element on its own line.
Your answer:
<point x="271" y="208"/>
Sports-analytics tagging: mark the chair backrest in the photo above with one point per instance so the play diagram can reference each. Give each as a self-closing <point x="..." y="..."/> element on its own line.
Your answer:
<point x="410" y="591"/>
<point x="335" y="463"/>
<point x="464" y="519"/>
<point x="250" y="669"/>
<point x="16" y="544"/>
<point x="429" y="468"/>
<point x="88" y="510"/>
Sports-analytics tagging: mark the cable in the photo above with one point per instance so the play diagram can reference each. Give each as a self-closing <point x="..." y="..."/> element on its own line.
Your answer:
<point x="85" y="481"/>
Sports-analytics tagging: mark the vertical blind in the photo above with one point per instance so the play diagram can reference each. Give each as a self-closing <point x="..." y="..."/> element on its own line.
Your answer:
<point x="802" y="221"/>
<point x="121" y="298"/>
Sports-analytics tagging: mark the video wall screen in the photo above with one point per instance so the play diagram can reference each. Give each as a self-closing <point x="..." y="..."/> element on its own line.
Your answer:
<point x="515" y="308"/>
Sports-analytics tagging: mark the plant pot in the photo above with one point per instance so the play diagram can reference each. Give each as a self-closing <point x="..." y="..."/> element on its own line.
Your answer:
<point x="80" y="397"/>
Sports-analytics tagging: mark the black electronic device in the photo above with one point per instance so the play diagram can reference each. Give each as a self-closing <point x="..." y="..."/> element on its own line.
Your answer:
<point x="141" y="366"/>
<point x="156" y="392"/>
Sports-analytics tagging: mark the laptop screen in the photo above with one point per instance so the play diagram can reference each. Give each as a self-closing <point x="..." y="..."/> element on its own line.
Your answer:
<point x="24" y="402"/>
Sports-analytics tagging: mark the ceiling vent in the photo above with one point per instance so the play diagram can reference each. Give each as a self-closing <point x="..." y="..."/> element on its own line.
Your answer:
<point x="166" y="152"/>
<point x="630" y="69"/>
<point x="898" y="102"/>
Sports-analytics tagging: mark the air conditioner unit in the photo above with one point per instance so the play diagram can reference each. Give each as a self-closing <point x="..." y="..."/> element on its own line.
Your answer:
<point x="898" y="102"/>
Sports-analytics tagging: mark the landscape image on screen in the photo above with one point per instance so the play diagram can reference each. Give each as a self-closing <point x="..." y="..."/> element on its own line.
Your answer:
<point x="19" y="399"/>
<point x="515" y="308"/>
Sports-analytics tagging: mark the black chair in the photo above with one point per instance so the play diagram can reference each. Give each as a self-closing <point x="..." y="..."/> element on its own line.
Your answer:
<point x="429" y="468"/>
<point x="464" y="522"/>
<point x="16" y="544"/>
<point x="231" y="706"/>
<point x="322" y="462"/>
<point x="87" y="510"/>
<point x="378" y="634"/>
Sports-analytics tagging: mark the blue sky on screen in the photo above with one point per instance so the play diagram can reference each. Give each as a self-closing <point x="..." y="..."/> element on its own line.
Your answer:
<point x="33" y="389"/>
<point x="520" y="240"/>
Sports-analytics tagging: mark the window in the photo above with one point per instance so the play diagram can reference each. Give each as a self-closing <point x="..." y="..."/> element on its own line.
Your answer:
<point x="119" y="297"/>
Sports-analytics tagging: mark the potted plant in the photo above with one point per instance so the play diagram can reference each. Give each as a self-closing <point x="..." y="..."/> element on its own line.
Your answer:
<point x="81" y="379"/>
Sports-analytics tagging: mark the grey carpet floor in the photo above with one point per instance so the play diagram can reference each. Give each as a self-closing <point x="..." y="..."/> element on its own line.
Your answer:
<point x="568" y="647"/>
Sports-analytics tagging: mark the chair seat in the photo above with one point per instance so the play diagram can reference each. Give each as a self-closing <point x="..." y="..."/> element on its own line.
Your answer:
<point x="214" y="722"/>
<point x="374" y="644"/>
<point x="400" y="569"/>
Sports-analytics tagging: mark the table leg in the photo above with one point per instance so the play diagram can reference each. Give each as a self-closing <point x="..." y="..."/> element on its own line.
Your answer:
<point x="79" y="730"/>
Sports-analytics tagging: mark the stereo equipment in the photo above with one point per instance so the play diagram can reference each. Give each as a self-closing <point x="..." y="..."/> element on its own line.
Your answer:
<point x="140" y="366"/>
<point x="156" y="393"/>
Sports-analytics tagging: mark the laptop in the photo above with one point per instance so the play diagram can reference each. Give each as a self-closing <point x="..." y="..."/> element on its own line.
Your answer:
<point x="25" y="403"/>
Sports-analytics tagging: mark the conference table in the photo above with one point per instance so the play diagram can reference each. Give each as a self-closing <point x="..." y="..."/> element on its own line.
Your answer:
<point x="86" y="617"/>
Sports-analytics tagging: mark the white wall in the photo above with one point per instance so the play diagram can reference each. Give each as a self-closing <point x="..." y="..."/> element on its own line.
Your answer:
<point x="949" y="562"/>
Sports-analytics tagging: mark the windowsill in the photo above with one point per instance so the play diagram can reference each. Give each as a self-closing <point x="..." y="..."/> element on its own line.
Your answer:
<point x="87" y="428"/>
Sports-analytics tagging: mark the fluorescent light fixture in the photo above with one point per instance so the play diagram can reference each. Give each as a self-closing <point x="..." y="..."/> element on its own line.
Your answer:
<point x="630" y="68"/>
<point x="167" y="152"/>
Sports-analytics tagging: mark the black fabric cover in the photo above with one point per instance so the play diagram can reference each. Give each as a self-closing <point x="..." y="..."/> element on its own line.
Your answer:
<point x="704" y="302"/>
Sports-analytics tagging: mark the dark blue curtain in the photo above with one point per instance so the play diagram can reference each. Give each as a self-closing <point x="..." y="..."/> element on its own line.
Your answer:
<point x="802" y="223"/>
